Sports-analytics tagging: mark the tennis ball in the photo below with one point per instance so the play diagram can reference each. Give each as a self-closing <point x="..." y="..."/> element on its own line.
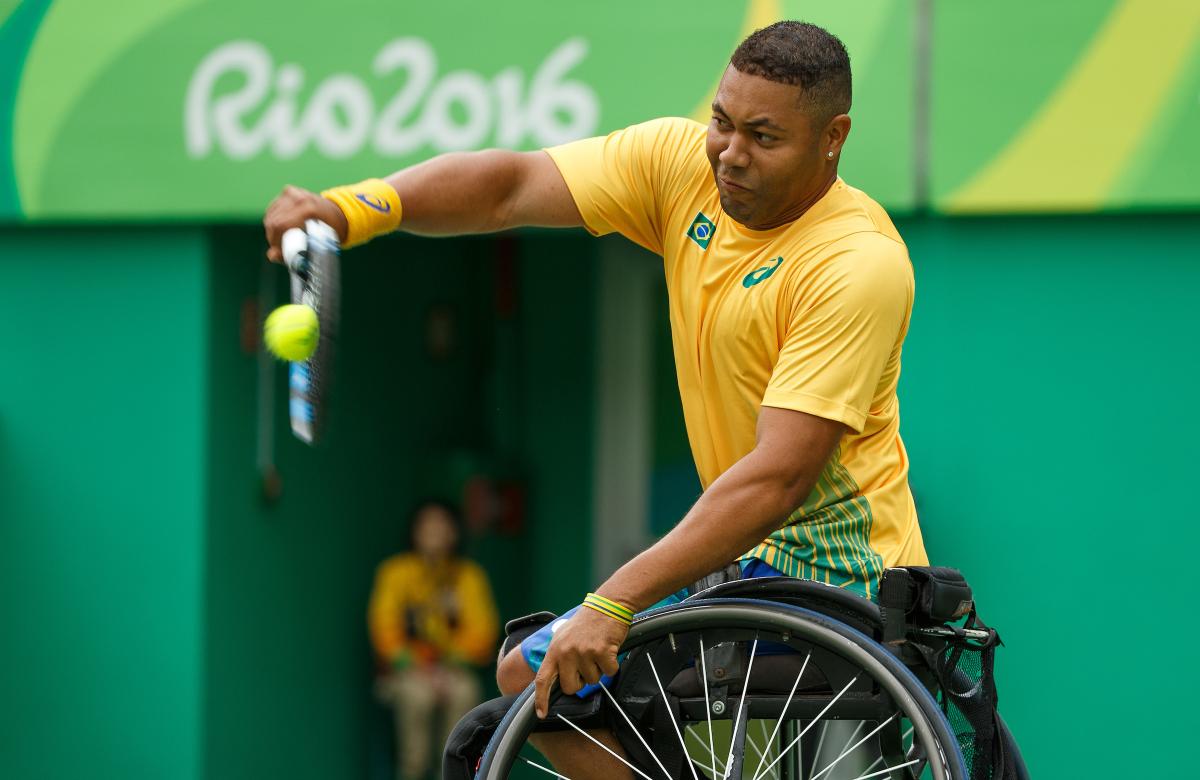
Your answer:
<point x="291" y="332"/>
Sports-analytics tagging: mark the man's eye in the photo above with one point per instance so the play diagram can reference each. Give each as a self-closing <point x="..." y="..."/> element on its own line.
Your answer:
<point x="764" y="137"/>
<point x="721" y="123"/>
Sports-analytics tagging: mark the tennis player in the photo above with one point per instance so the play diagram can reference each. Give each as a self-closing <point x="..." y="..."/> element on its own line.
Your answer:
<point x="790" y="295"/>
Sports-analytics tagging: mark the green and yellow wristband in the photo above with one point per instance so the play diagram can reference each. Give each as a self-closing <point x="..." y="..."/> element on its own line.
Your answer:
<point x="372" y="208"/>
<point x="608" y="607"/>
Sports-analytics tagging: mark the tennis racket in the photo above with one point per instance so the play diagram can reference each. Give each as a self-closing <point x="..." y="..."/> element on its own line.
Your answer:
<point x="312" y="257"/>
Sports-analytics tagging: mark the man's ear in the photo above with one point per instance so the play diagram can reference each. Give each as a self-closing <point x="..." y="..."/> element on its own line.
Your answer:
<point x="836" y="132"/>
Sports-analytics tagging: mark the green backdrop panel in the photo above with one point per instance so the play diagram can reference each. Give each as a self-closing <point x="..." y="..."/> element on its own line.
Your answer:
<point x="205" y="108"/>
<point x="203" y="116"/>
<point x="1098" y="112"/>
<point x="1046" y="409"/>
<point x="102" y="436"/>
<point x="18" y="24"/>
<point x="879" y="35"/>
<point x="288" y="664"/>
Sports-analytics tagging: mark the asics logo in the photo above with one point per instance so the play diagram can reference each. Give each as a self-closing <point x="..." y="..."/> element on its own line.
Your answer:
<point x="375" y="203"/>
<point x="754" y="277"/>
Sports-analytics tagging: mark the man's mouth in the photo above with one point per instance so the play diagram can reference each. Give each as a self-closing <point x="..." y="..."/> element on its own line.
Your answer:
<point x="732" y="185"/>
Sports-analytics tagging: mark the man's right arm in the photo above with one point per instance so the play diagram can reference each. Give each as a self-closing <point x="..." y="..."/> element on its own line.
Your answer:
<point x="453" y="194"/>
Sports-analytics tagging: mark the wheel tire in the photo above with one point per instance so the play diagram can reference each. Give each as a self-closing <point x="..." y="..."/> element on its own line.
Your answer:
<point x="937" y="739"/>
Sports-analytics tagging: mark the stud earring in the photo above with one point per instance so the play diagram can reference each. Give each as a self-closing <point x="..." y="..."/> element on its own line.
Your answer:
<point x="829" y="155"/>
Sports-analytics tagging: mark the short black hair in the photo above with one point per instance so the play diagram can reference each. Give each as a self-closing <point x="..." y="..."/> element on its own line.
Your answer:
<point x="803" y="54"/>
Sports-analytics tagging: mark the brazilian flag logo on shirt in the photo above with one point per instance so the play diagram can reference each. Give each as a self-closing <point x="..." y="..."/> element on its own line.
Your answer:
<point x="701" y="230"/>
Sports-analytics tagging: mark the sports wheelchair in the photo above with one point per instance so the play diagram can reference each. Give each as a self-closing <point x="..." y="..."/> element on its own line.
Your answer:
<point x="778" y="679"/>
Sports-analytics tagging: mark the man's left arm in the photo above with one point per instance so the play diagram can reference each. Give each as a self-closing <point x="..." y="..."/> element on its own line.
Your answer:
<point x="739" y="510"/>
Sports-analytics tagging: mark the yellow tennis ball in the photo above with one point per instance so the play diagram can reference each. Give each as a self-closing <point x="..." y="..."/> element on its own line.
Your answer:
<point x="291" y="332"/>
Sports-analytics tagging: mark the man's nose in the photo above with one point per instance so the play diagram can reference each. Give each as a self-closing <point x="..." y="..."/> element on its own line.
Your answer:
<point x="735" y="155"/>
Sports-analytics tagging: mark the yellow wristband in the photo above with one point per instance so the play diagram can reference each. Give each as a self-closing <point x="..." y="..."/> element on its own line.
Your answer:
<point x="372" y="208"/>
<point x="610" y="608"/>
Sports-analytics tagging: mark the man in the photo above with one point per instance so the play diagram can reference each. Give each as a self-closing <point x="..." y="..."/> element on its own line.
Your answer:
<point x="431" y="619"/>
<point x="790" y="295"/>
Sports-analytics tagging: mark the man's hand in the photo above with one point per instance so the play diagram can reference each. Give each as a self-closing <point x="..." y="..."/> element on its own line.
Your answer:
<point x="583" y="649"/>
<point x="290" y="209"/>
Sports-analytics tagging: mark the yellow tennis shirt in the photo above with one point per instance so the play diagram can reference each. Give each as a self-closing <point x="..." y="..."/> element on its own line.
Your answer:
<point x="808" y="316"/>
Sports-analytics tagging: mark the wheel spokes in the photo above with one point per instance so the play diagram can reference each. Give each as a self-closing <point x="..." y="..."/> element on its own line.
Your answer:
<point x="848" y="750"/>
<point x="712" y="751"/>
<point x="636" y="731"/>
<point x="885" y="771"/>
<point x="674" y="723"/>
<point x="804" y="730"/>
<point x="737" y="722"/>
<point x="767" y="744"/>
<point x="877" y="742"/>
<point x="548" y="771"/>
<point x="604" y="747"/>
<point x="771" y="740"/>
<point x="691" y="732"/>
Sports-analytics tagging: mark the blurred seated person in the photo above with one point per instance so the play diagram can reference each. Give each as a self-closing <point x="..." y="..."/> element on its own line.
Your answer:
<point x="432" y="620"/>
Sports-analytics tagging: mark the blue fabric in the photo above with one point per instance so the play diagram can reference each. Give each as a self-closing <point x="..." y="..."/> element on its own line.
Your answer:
<point x="534" y="648"/>
<point x="753" y="567"/>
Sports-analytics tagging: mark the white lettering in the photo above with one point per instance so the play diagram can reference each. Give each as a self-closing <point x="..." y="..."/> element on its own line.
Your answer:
<point x="252" y="61"/>
<point x="417" y="58"/>
<point x="511" y="124"/>
<point x="549" y="95"/>
<point x="460" y="110"/>
<point x="321" y="123"/>
<point x="287" y="140"/>
<point x="470" y="91"/>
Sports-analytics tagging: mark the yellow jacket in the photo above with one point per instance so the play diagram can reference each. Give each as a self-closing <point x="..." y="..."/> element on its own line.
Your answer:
<point x="432" y="611"/>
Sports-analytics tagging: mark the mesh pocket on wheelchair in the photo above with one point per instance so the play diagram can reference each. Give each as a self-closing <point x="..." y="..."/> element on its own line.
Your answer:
<point x="932" y="611"/>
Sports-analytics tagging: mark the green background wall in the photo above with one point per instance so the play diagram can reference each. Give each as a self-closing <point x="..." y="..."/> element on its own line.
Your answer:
<point x="945" y="117"/>
<point x="1046" y="402"/>
<point x="162" y="619"/>
<point x="287" y="584"/>
<point x="102" y="502"/>
<point x="195" y="631"/>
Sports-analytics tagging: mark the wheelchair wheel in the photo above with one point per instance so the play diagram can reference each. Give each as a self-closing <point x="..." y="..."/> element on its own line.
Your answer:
<point x="812" y="699"/>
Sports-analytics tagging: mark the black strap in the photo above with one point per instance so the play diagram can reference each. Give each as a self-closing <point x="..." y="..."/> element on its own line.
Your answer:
<point x="921" y="596"/>
<point x="897" y="595"/>
<point x="730" y="573"/>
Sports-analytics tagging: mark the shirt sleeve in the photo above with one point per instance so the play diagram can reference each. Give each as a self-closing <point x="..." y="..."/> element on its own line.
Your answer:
<point x="385" y="612"/>
<point x="845" y="323"/>
<point x="619" y="180"/>
<point x="478" y="626"/>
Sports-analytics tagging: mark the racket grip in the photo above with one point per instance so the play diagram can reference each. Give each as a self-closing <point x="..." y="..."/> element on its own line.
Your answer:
<point x="295" y="250"/>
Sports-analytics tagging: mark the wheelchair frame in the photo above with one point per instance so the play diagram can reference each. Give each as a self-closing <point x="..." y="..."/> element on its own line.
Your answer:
<point x="841" y="623"/>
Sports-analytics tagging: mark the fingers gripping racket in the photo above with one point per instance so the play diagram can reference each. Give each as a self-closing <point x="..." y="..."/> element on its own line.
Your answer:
<point x="312" y="257"/>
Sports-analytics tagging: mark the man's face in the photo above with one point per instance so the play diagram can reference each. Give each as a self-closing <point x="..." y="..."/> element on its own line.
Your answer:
<point x="435" y="534"/>
<point x="765" y="153"/>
